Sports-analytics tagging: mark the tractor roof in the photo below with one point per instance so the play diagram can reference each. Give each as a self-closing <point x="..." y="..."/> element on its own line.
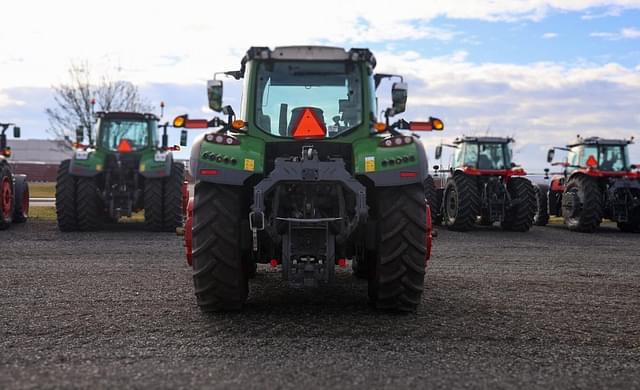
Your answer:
<point x="488" y="140"/>
<point x="308" y="53"/>
<point x="126" y="115"/>
<point x="599" y="141"/>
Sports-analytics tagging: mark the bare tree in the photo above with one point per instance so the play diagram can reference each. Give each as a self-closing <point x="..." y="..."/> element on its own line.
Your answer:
<point x="74" y="101"/>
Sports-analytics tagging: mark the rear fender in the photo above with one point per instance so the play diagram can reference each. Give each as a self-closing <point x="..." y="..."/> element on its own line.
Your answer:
<point x="156" y="164"/>
<point x="372" y="160"/>
<point x="86" y="163"/>
<point x="236" y="164"/>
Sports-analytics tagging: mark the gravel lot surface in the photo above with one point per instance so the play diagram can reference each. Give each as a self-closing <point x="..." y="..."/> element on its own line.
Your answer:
<point x="544" y="309"/>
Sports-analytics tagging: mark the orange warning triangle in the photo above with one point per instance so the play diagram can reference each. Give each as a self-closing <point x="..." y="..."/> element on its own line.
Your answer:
<point x="592" y="162"/>
<point x="124" y="146"/>
<point x="309" y="126"/>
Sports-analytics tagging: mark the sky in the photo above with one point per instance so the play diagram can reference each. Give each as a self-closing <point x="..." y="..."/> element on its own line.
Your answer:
<point x="541" y="71"/>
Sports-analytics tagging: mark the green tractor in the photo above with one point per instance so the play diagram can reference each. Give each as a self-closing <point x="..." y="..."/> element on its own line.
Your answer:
<point x="14" y="189"/>
<point x="306" y="179"/>
<point x="124" y="171"/>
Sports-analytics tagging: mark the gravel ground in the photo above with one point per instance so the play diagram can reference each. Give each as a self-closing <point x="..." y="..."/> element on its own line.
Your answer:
<point x="544" y="309"/>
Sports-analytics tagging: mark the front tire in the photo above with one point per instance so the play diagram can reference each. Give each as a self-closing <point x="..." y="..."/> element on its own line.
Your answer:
<point x="396" y="280"/>
<point x="163" y="201"/>
<point x="582" y="204"/>
<point x="633" y="225"/>
<point x="461" y="202"/>
<point x="66" y="198"/>
<point x="21" y="199"/>
<point x="541" y="216"/>
<point x="219" y="275"/>
<point x="434" y="199"/>
<point x="519" y="217"/>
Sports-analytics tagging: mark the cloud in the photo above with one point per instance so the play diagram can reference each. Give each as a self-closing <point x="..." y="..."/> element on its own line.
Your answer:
<point x="541" y="103"/>
<point x="549" y="35"/>
<point x="625" y="33"/>
<point x="170" y="50"/>
<point x="186" y="43"/>
<point x="611" y="12"/>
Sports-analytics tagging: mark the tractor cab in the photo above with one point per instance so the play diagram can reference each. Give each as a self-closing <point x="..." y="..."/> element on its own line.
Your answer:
<point x="126" y="132"/>
<point x="484" y="153"/>
<point x="482" y="156"/>
<point x="596" y="155"/>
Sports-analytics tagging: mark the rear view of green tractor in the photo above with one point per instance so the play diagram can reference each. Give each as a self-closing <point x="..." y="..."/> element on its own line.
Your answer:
<point x="126" y="170"/>
<point x="305" y="179"/>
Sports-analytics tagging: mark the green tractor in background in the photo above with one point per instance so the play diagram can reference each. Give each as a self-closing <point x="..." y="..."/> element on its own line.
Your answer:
<point x="306" y="178"/>
<point x="14" y="189"/>
<point x="126" y="170"/>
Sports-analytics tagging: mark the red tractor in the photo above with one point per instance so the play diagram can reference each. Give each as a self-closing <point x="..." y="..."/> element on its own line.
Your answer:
<point x="598" y="182"/>
<point x="484" y="186"/>
<point x="14" y="190"/>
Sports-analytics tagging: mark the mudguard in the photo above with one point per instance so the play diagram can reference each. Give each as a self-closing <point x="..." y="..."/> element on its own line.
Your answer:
<point x="236" y="164"/>
<point x="86" y="163"/>
<point x="155" y="165"/>
<point x="369" y="158"/>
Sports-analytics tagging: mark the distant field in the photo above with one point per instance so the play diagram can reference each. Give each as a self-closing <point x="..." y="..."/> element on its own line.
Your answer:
<point x="48" y="213"/>
<point x="42" y="190"/>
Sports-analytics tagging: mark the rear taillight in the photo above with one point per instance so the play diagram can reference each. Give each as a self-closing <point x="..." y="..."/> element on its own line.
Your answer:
<point x="221" y="139"/>
<point x="396" y="141"/>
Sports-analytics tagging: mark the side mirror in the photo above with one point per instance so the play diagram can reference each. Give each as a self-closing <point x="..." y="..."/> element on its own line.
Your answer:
<point x="550" y="154"/>
<point x="79" y="134"/>
<point x="183" y="138"/>
<point x="546" y="173"/>
<point x="399" y="98"/>
<point x="214" y="93"/>
<point x="16" y="132"/>
<point x="438" y="152"/>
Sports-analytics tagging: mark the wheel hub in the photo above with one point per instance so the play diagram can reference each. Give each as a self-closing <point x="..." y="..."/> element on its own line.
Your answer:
<point x="452" y="204"/>
<point x="571" y="204"/>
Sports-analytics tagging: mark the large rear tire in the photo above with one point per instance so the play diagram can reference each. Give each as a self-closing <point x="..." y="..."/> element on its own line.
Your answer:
<point x="396" y="281"/>
<point x="89" y="206"/>
<point x="219" y="275"/>
<point x="163" y="201"/>
<point x="6" y="197"/>
<point x="519" y="217"/>
<point x="582" y="204"/>
<point x="66" y="198"/>
<point x="541" y="216"/>
<point x="21" y="199"/>
<point x="461" y="202"/>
